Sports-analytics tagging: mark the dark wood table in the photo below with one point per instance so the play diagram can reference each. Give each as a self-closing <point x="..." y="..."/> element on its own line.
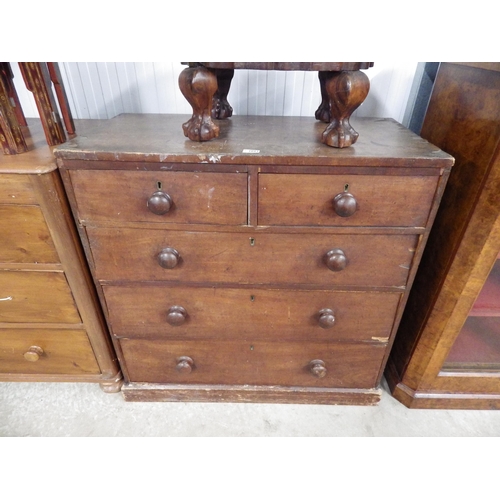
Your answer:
<point x="343" y="89"/>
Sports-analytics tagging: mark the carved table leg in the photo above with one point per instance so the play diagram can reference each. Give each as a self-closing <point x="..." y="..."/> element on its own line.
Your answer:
<point x="198" y="85"/>
<point x="345" y="91"/>
<point x="221" y="109"/>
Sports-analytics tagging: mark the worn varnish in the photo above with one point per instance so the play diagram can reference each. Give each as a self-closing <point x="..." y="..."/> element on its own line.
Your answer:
<point x="285" y="285"/>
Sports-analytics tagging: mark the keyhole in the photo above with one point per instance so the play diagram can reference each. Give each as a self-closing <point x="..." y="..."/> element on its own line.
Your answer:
<point x="346" y="188"/>
<point x="252" y="242"/>
<point x="158" y="185"/>
<point x="252" y="298"/>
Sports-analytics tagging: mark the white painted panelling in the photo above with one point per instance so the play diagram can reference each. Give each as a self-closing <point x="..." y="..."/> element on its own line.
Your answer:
<point x="104" y="90"/>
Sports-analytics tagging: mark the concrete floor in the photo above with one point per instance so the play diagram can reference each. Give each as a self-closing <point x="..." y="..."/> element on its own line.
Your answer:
<point x="63" y="409"/>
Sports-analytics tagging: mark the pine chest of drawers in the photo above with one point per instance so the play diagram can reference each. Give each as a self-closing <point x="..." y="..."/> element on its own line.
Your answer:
<point x="51" y="324"/>
<point x="263" y="266"/>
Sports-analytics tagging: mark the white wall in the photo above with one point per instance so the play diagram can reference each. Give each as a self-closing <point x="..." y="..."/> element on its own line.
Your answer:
<point x="104" y="90"/>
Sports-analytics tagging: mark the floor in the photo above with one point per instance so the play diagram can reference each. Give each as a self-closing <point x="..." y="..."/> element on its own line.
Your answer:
<point x="79" y="410"/>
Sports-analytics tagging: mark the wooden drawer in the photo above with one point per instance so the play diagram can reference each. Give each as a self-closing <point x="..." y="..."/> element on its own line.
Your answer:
<point x="65" y="352"/>
<point x="266" y="363"/>
<point x="17" y="189"/>
<point x="382" y="200"/>
<point x="132" y="254"/>
<point x="243" y="314"/>
<point x="36" y="297"/>
<point x="25" y="237"/>
<point x="197" y="197"/>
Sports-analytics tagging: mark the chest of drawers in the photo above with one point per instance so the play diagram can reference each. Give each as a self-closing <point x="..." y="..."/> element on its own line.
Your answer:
<point x="254" y="267"/>
<point x="51" y="323"/>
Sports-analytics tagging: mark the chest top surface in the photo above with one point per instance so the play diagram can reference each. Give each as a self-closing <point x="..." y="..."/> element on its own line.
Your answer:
<point x="249" y="140"/>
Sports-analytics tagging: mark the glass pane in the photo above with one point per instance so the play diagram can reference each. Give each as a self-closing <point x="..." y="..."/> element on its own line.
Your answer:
<point x="478" y="344"/>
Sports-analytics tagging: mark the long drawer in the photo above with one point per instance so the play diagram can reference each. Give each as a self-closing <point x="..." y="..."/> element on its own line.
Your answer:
<point x="195" y="197"/>
<point x="317" y="200"/>
<point x="267" y="363"/>
<point x="179" y="312"/>
<point x="43" y="351"/>
<point x="361" y="260"/>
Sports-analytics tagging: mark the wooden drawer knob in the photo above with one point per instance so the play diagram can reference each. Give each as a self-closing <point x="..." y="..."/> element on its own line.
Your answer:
<point x="326" y="318"/>
<point x="33" y="353"/>
<point x="176" y="315"/>
<point x="184" y="364"/>
<point x="345" y="204"/>
<point x="336" y="260"/>
<point x="159" y="203"/>
<point x="168" y="258"/>
<point x="317" y="368"/>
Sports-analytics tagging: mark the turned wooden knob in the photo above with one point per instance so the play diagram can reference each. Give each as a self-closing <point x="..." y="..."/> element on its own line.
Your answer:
<point x="184" y="364"/>
<point x="176" y="315"/>
<point x="33" y="353"/>
<point x="168" y="258"/>
<point x="159" y="203"/>
<point x="345" y="204"/>
<point x="336" y="260"/>
<point x="317" y="368"/>
<point x="326" y="318"/>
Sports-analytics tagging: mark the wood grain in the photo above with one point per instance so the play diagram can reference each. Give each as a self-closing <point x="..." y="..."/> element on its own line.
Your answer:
<point x="198" y="197"/>
<point x="25" y="236"/>
<point x="65" y="352"/>
<point x="16" y="189"/>
<point x="225" y="313"/>
<point x="42" y="297"/>
<point x="253" y="362"/>
<point x="126" y="254"/>
<point x="382" y="200"/>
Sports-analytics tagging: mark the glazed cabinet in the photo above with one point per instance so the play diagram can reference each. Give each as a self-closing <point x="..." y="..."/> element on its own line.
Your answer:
<point x="51" y="323"/>
<point x="447" y="350"/>
<point x="262" y="266"/>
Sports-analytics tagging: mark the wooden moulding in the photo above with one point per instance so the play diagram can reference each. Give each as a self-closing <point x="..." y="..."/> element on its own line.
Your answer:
<point x="249" y="394"/>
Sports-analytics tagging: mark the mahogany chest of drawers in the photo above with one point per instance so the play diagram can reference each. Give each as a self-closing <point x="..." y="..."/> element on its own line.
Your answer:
<point x="262" y="266"/>
<point x="51" y="323"/>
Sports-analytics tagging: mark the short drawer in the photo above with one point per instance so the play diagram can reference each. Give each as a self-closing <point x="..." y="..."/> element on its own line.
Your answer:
<point x="363" y="200"/>
<point x="179" y="312"/>
<point x="36" y="297"/>
<point x="193" y="197"/>
<point x="17" y="189"/>
<point x="25" y="237"/>
<point x="255" y="258"/>
<point x="253" y="363"/>
<point x="43" y="351"/>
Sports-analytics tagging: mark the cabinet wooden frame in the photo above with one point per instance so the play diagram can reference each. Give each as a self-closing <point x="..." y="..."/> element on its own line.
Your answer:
<point x="463" y="118"/>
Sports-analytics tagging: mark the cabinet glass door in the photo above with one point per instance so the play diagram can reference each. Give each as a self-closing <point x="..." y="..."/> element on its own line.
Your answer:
<point x="477" y="346"/>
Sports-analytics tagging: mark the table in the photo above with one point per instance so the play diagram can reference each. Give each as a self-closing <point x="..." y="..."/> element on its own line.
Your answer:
<point x="343" y="89"/>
